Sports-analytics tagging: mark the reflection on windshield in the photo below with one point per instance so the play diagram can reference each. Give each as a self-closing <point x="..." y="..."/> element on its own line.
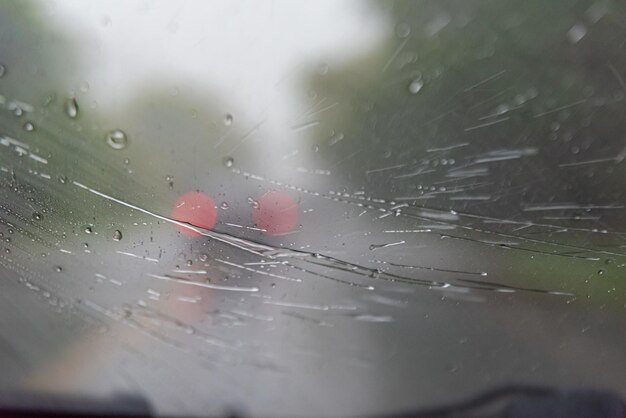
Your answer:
<point x="325" y="209"/>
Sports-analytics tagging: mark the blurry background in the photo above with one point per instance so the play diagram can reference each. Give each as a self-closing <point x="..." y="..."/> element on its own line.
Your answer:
<point x="311" y="209"/>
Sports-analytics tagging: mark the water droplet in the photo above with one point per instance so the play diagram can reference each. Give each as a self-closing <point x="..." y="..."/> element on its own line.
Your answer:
<point x="37" y="216"/>
<point x="71" y="108"/>
<point x="203" y="257"/>
<point x="28" y="126"/>
<point x="228" y="161"/>
<point x="18" y="111"/>
<point x="117" y="139"/>
<point x="501" y="109"/>
<point x="403" y="30"/>
<point x="3" y="70"/>
<point x="416" y="86"/>
<point x="58" y="269"/>
<point x="520" y="99"/>
<point x="117" y="235"/>
<point x="224" y="205"/>
<point x="88" y="230"/>
<point x="62" y="179"/>
<point x="228" y="119"/>
<point x="189" y="263"/>
<point x="576" y="33"/>
<point x="253" y="203"/>
<point x="600" y="272"/>
<point x="170" y="181"/>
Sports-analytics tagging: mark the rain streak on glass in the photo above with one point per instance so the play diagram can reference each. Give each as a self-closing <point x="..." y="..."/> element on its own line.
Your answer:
<point x="393" y="205"/>
<point x="416" y="86"/>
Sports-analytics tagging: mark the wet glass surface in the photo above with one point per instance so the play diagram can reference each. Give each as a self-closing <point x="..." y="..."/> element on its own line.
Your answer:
<point x="311" y="208"/>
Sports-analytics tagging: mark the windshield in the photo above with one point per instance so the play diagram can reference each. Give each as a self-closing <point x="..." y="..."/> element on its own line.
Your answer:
<point x="311" y="208"/>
